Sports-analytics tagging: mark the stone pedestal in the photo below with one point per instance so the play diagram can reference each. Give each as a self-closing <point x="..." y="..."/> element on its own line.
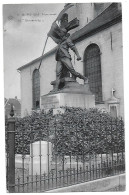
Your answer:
<point x="67" y="99"/>
<point x="72" y="94"/>
<point x="38" y="162"/>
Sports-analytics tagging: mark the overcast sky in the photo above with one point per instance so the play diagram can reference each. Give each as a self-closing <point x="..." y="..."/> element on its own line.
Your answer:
<point x="25" y="30"/>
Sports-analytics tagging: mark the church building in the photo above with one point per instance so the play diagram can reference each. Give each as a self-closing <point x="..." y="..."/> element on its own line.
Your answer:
<point x="98" y="39"/>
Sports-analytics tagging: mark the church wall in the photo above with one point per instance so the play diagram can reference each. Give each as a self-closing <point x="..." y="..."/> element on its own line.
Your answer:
<point x="26" y="89"/>
<point x="99" y="8"/>
<point x="110" y="44"/>
<point x="47" y="74"/>
<point x="26" y="92"/>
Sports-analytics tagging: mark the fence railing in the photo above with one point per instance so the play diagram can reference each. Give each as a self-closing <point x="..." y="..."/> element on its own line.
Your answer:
<point x="38" y="161"/>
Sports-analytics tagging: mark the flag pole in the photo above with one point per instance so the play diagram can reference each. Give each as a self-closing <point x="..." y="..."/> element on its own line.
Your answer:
<point x="43" y="52"/>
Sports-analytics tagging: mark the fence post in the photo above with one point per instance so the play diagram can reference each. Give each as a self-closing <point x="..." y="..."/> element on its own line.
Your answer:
<point x="11" y="151"/>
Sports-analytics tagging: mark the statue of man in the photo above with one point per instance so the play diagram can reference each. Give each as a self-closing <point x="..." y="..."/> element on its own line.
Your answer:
<point x="64" y="65"/>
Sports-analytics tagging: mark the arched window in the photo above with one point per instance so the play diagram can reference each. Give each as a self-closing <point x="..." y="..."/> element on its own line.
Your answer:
<point x="36" y="89"/>
<point x="92" y="70"/>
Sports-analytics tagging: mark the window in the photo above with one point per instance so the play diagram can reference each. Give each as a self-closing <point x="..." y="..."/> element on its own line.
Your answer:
<point x="92" y="70"/>
<point x="36" y="89"/>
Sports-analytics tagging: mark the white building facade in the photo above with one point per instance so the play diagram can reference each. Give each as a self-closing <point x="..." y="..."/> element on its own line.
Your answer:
<point x="99" y="42"/>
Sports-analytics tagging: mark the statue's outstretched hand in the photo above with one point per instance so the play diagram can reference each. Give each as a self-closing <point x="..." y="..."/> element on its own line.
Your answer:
<point x="78" y="58"/>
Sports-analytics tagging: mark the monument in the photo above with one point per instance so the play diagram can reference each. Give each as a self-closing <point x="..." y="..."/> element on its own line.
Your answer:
<point x="66" y="90"/>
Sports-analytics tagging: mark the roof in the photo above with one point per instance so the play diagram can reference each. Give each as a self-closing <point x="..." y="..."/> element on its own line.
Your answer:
<point x="107" y="18"/>
<point x="16" y="104"/>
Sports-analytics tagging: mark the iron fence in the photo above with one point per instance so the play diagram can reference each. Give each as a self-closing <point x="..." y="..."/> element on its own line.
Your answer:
<point x="61" y="178"/>
<point x="64" y="156"/>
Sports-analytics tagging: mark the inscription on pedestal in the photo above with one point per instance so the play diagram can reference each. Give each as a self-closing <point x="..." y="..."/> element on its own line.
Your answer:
<point x="48" y="102"/>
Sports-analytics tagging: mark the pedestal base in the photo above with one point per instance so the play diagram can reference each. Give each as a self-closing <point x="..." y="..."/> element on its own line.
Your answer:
<point x="70" y="85"/>
<point x="67" y="99"/>
<point x="72" y="94"/>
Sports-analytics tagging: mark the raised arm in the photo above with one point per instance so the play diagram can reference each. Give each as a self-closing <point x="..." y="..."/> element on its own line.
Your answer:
<point x="77" y="53"/>
<point x="73" y="47"/>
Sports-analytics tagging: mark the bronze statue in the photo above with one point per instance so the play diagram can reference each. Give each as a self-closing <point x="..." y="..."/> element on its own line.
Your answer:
<point x="59" y="33"/>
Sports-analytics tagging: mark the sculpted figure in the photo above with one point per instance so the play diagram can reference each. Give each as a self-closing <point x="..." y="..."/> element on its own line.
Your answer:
<point x="59" y="33"/>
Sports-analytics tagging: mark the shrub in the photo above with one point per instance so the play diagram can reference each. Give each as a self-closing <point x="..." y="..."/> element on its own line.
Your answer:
<point x="77" y="131"/>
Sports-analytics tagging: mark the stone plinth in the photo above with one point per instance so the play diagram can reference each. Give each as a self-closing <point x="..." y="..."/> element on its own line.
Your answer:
<point x="72" y="94"/>
<point x="38" y="162"/>
<point x="67" y="99"/>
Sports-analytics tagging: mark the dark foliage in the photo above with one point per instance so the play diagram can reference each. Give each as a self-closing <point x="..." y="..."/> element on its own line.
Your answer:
<point x="76" y="131"/>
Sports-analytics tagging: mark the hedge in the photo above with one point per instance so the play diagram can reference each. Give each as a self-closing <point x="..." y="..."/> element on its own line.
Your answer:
<point x="76" y="131"/>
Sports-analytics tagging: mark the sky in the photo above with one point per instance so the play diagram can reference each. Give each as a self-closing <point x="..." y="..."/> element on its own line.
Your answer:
<point x="25" y="28"/>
